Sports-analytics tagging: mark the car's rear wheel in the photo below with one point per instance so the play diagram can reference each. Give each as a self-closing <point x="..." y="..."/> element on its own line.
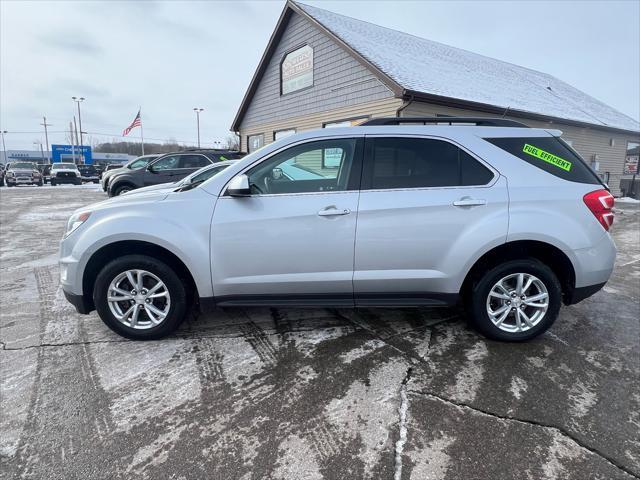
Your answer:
<point x="516" y="301"/>
<point x="140" y="297"/>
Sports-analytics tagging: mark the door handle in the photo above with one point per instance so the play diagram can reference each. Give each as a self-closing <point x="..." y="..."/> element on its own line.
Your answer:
<point x="469" y="202"/>
<point x="333" y="211"/>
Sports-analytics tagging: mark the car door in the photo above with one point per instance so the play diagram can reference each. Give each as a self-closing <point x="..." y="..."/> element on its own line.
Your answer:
<point x="426" y="208"/>
<point x="188" y="164"/>
<point x="162" y="170"/>
<point x="291" y="240"/>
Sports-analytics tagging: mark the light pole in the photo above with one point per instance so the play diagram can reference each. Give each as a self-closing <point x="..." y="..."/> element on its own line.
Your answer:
<point x="78" y="100"/>
<point x="198" y="110"/>
<point x="4" y="147"/>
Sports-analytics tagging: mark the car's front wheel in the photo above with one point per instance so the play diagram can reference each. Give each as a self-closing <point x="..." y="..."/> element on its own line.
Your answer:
<point x="140" y="297"/>
<point x="516" y="301"/>
<point x="120" y="189"/>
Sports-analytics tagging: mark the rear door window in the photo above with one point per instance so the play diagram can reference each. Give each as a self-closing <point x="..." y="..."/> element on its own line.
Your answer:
<point x="549" y="154"/>
<point x="193" y="161"/>
<point x="401" y="163"/>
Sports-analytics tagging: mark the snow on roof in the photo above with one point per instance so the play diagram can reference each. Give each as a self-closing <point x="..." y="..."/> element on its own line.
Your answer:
<point x="425" y="66"/>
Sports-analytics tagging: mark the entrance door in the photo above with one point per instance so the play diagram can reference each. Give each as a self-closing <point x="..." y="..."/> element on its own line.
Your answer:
<point x="291" y="241"/>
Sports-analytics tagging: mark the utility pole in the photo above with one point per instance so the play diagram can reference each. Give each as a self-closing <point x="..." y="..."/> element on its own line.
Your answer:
<point x="78" y="100"/>
<point x="198" y="110"/>
<point x="46" y="136"/>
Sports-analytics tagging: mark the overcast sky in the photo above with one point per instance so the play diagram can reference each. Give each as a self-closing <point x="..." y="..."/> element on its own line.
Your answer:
<point x="171" y="56"/>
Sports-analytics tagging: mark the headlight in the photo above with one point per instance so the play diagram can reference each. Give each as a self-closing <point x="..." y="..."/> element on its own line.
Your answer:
<point x="36" y="174"/>
<point x="75" y="221"/>
<point x="10" y="174"/>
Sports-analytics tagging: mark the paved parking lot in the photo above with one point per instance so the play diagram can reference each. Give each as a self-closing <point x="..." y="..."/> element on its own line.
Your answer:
<point x="307" y="394"/>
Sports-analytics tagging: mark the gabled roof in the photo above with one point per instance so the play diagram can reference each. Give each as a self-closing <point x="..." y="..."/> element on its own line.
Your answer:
<point x="416" y="67"/>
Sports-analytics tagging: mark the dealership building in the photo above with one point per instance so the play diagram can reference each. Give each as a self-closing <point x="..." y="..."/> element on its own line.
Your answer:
<point x="321" y="70"/>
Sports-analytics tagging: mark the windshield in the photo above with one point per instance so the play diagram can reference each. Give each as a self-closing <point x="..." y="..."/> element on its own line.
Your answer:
<point x="58" y="166"/>
<point x="22" y="165"/>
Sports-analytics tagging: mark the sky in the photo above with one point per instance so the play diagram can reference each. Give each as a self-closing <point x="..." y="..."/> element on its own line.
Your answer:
<point x="168" y="57"/>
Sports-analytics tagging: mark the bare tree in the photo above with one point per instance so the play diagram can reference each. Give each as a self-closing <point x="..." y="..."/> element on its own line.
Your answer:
<point x="233" y="141"/>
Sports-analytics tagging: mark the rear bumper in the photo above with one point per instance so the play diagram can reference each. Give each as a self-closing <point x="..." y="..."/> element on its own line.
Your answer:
<point x="81" y="304"/>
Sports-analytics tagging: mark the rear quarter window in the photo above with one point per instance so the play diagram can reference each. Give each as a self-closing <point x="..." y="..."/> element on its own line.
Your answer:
<point x="549" y="154"/>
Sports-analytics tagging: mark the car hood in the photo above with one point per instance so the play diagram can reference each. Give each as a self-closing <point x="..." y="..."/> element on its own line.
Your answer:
<point x="64" y="170"/>
<point x="115" y="171"/>
<point x="21" y="170"/>
<point x="168" y="187"/>
<point x="126" y="200"/>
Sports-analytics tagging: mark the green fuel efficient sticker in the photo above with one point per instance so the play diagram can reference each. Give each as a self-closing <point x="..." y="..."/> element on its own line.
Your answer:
<point x="547" y="157"/>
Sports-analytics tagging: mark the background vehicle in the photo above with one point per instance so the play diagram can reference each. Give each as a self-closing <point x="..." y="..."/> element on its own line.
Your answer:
<point x="507" y="219"/>
<point x="167" y="168"/>
<point x="22" y="173"/>
<point x="196" y="178"/>
<point x="134" y="164"/>
<point x="2" y="171"/>
<point x="45" y="171"/>
<point x="88" y="173"/>
<point x="65" y="173"/>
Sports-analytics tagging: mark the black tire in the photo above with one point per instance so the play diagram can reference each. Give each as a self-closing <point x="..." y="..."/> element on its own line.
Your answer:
<point x="11" y="184"/>
<point x="120" y="189"/>
<point x="177" y="311"/>
<point x="477" y="303"/>
<point x="53" y="183"/>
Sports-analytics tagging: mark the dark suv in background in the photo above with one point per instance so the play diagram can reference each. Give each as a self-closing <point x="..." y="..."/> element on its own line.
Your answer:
<point x="170" y="167"/>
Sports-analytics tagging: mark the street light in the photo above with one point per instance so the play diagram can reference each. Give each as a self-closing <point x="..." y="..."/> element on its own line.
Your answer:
<point x="4" y="147"/>
<point x="78" y="100"/>
<point x="198" y="110"/>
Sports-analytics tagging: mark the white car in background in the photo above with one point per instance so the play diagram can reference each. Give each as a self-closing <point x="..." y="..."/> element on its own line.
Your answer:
<point x="65" y="173"/>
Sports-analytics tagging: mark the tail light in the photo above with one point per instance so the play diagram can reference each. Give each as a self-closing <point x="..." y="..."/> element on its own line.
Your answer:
<point x="601" y="203"/>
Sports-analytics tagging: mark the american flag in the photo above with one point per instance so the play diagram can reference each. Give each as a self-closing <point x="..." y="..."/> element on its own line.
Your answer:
<point x="137" y="122"/>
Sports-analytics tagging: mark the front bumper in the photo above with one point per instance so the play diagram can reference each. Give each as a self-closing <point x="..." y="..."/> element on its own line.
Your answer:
<point x="72" y="180"/>
<point x="82" y="304"/>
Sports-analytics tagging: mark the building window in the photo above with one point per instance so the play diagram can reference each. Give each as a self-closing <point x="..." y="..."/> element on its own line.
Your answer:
<point x="255" y="142"/>
<point x="278" y="134"/>
<point x="296" y="70"/>
<point x="631" y="159"/>
<point x="349" y="122"/>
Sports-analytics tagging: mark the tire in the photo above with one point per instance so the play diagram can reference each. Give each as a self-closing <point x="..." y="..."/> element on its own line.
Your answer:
<point x="120" y="189"/>
<point x="480" y="303"/>
<point x="11" y="184"/>
<point x="40" y="183"/>
<point x="177" y="309"/>
<point x="53" y="183"/>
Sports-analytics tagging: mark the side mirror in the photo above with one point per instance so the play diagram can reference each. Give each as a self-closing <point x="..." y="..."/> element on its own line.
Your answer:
<point x="239" y="186"/>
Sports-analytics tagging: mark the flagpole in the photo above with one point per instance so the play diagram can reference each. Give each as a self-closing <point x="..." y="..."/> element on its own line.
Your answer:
<point x="141" y="131"/>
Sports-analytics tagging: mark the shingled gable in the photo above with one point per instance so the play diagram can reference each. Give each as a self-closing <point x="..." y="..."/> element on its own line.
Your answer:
<point x="416" y="68"/>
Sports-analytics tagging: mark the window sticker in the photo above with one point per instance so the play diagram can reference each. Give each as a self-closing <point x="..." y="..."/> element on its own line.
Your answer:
<point x="547" y="157"/>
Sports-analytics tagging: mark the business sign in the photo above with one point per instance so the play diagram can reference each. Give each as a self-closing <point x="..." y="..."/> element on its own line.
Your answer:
<point x="71" y="153"/>
<point x="631" y="165"/>
<point x="297" y="70"/>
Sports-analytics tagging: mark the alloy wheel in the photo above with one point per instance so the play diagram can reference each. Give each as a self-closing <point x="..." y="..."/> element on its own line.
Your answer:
<point x="138" y="299"/>
<point x="517" y="302"/>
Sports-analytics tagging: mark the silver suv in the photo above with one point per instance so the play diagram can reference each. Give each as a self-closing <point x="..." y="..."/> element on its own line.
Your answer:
<point x="507" y="219"/>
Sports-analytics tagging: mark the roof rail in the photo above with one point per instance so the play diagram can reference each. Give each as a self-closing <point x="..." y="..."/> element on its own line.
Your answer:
<point x="478" y="121"/>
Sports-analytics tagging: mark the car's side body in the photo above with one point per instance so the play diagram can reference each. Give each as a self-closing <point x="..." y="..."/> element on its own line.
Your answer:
<point x="385" y="247"/>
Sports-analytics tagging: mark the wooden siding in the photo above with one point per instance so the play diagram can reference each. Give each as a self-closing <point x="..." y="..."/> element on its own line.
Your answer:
<point x="586" y="141"/>
<point x="338" y="79"/>
<point x="380" y="108"/>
